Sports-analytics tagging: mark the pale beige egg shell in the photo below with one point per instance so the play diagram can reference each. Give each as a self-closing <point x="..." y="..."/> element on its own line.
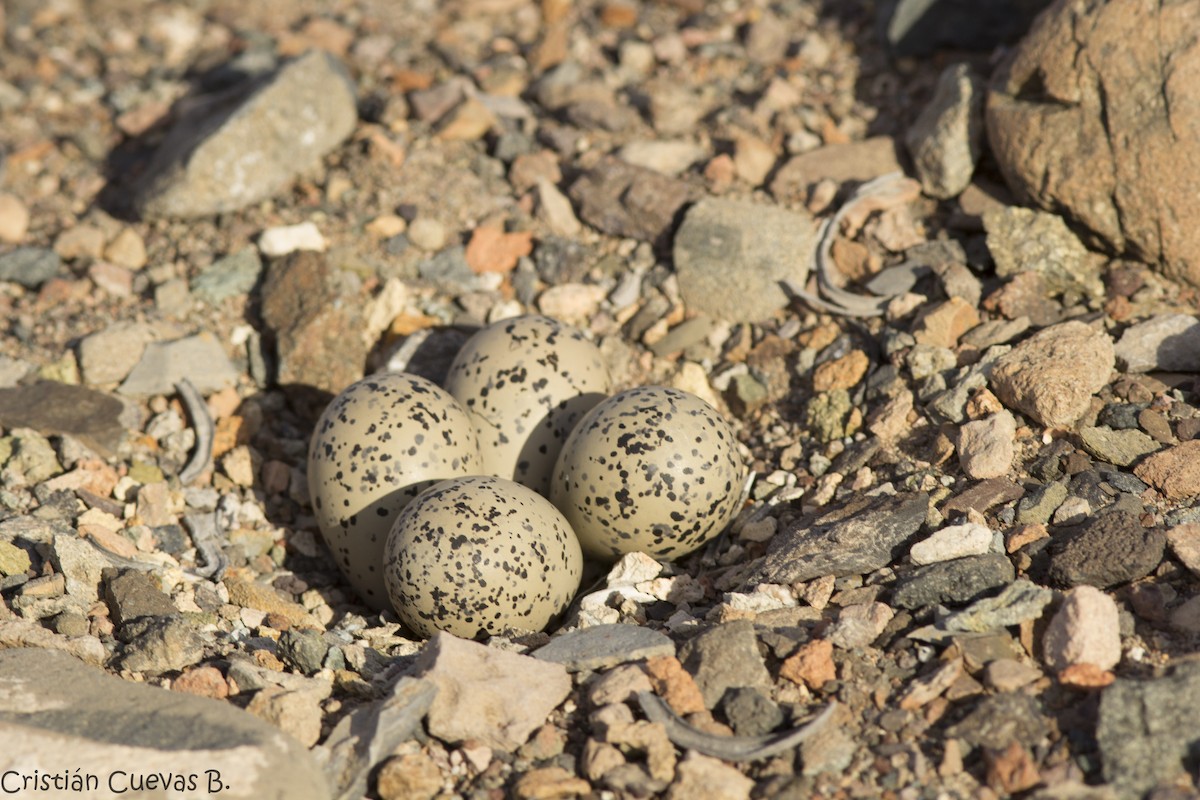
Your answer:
<point x="377" y="445"/>
<point x="526" y="382"/>
<point x="652" y="469"/>
<point x="481" y="554"/>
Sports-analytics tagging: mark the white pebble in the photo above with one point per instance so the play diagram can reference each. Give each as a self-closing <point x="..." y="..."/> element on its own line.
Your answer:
<point x="954" y="541"/>
<point x="285" y="239"/>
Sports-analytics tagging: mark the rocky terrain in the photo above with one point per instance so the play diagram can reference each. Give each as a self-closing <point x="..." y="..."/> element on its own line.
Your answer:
<point x="941" y="284"/>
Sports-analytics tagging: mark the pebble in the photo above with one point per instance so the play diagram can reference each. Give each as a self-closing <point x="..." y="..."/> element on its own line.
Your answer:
<point x="1174" y="471"/>
<point x="852" y="161"/>
<point x="249" y="594"/>
<point x="1111" y="549"/>
<point x="986" y="447"/>
<point x="1121" y="447"/>
<point x="1009" y="675"/>
<point x="108" y="356"/>
<point x="954" y="541"/>
<point x="573" y="303"/>
<point x="427" y="233"/>
<point x="1052" y="375"/>
<point x="674" y="684"/>
<point x="629" y="201"/>
<point x="492" y="250"/>
<point x="602" y="646"/>
<point x="81" y="241"/>
<point x="703" y="776"/>
<point x="1185" y="544"/>
<point x="202" y="682"/>
<point x="753" y="159"/>
<point x="1037" y="506"/>
<point x="953" y="582"/>
<point x="155" y="645"/>
<point x="131" y="595"/>
<point x="853" y="540"/>
<point x="550" y="782"/>
<point x="811" y="665"/>
<point x="723" y="657"/>
<point x="665" y="156"/>
<point x="170" y="732"/>
<point x="285" y="239"/>
<point x="127" y="249"/>
<point x="199" y="358"/>
<point x="410" y="776"/>
<point x="29" y="266"/>
<point x="14" y="219"/>
<point x="303" y="649"/>
<point x="206" y="166"/>
<point x="295" y="711"/>
<point x="13" y="560"/>
<point x="1021" y="601"/>
<point x="52" y="408"/>
<point x="555" y="210"/>
<point x="946" y="139"/>
<point x="860" y="624"/>
<point x="1024" y="239"/>
<point x="1166" y="342"/>
<point x="1084" y="630"/>
<point x="233" y="275"/>
<point x="1147" y="728"/>
<point x="495" y="697"/>
<point x="760" y="244"/>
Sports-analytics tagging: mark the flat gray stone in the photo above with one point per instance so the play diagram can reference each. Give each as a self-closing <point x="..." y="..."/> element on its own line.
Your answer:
<point x="952" y="582"/>
<point x="1120" y="447"/>
<point x="1111" y="549"/>
<point x="199" y="358"/>
<point x="29" y="266"/>
<point x="235" y="274"/>
<point x="603" y="646"/>
<point x="1169" y="342"/>
<point x="862" y="536"/>
<point x="53" y="408"/>
<point x="1148" y="730"/>
<point x="1022" y="239"/>
<point x="1023" y="600"/>
<point x="946" y="139"/>
<point x="730" y="256"/>
<point x="58" y="715"/>
<point x="252" y="141"/>
<point x="725" y="657"/>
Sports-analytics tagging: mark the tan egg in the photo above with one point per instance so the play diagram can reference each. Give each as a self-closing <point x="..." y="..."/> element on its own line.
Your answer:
<point x="526" y="382"/>
<point x="652" y="469"/>
<point x="378" y="444"/>
<point x="481" y="555"/>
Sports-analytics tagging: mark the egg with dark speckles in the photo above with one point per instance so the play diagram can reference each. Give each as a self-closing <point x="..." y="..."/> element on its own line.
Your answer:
<point x="652" y="469"/>
<point x="481" y="554"/>
<point x="375" y="448"/>
<point x="526" y="382"/>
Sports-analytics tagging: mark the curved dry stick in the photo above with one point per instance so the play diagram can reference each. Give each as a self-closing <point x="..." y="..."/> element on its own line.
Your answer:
<point x="202" y="423"/>
<point x="729" y="748"/>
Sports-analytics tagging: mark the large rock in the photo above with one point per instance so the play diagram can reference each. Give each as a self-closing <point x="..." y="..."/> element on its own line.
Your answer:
<point x="61" y="717"/>
<point x="731" y="255"/>
<point x="1096" y="116"/>
<point x="237" y="150"/>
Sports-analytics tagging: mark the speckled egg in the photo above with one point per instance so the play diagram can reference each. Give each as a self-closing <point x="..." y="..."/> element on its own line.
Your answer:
<point x="481" y="554"/>
<point x="652" y="469"/>
<point x="526" y="382"/>
<point x="378" y="444"/>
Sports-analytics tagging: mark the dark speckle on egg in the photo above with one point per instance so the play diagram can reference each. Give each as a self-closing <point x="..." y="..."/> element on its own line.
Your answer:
<point x="651" y="469"/>
<point x="481" y="555"/>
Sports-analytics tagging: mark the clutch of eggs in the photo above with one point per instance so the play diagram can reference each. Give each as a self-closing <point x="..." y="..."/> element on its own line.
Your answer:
<point x="532" y="465"/>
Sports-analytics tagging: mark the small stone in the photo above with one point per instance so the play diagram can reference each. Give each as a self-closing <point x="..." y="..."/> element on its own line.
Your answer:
<point x="1021" y="601"/>
<point x="296" y="712"/>
<point x="555" y="210"/>
<point x="14" y="219"/>
<point x="131" y="595"/>
<point x="1185" y="544"/>
<point x="954" y="541"/>
<point x="427" y="233"/>
<point x="51" y="408"/>
<point x="1167" y="342"/>
<point x="303" y="650"/>
<point x="946" y="139"/>
<point x="674" y="684"/>
<point x="199" y="358"/>
<point x="273" y="128"/>
<point x="111" y="279"/>
<point x="160" y="644"/>
<point x="841" y="373"/>
<point x="238" y="464"/>
<point x="860" y="624"/>
<point x="81" y="241"/>
<point x="1009" y="675"/>
<point x="108" y="356"/>
<point x="127" y="249"/>
<point x="1037" y="506"/>
<point x="33" y="456"/>
<point x="603" y="646"/>
<point x="546" y="783"/>
<point x="1174" y="471"/>
<point x="839" y="163"/>
<point x="573" y="303"/>
<point x="1022" y="239"/>
<point x="703" y="776"/>
<point x="944" y="324"/>
<point x="469" y="121"/>
<point x="492" y="250"/>
<point x="723" y="657"/>
<point x="1111" y="549"/>
<point x="1122" y="447"/>
<point x="29" y="266"/>
<point x="13" y="560"/>
<point x="953" y="582"/>
<point x="625" y="200"/>
<point x="758" y="243"/>
<point x="495" y="697"/>
<point x="753" y="159"/>
<point x="986" y="447"/>
<point x="235" y="274"/>
<point x="202" y="682"/>
<point x="248" y="594"/>
<point x="618" y="685"/>
<point x="1085" y="630"/>
<point x="1052" y="375"/>
<point x="665" y="156"/>
<point x="285" y="239"/>
<point x="412" y="776"/>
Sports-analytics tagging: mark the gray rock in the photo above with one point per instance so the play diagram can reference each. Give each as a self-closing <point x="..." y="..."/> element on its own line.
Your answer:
<point x="1041" y="503"/>
<point x="53" y="408"/>
<point x="314" y="312"/>
<point x="953" y="582"/>
<point x="1021" y="239"/>
<point x="730" y="256"/>
<point x="13" y="370"/>
<point x="750" y="712"/>
<point x="199" y="358"/>
<point x="29" y="266"/>
<point x="921" y="27"/>
<point x="131" y="595"/>
<point x="1169" y="342"/>
<point x="80" y="563"/>
<point x="603" y="646"/>
<point x="32" y="456"/>
<point x="625" y="200"/>
<point x="235" y="274"/>
<point x="1022" y="600"/>
<point x="724" y="657"/>
<point x="862" y="536"/>
<point x="1148" y="730"/>
<point x="108" y="356"/>
<point x="302" y="649"/>
<point x="61" y="716"/>
<point x="160" y="644"/>
<point x="250" y="142"/>
<point x="1120" y="447"/>
<point x="1001" y="719"/>
<point x="946" y="139"/>
<point x="1111" y="549"/>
